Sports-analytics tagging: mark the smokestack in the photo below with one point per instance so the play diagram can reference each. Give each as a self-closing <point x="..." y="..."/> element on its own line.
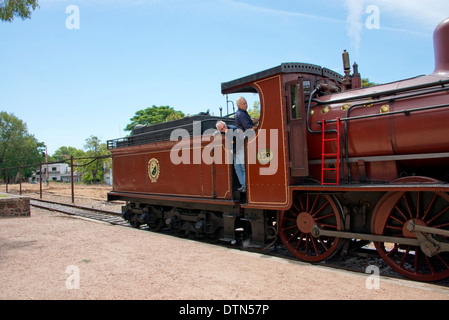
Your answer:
<point x="441" y="45"/>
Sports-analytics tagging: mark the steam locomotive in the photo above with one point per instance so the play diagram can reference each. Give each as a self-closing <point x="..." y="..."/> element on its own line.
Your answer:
<point x="332" y="167"/>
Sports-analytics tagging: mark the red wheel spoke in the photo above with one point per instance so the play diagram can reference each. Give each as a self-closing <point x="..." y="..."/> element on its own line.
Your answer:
<point x="302" y="205"/>
<point x="288" y="228"/>
<point x="408" y="206"/>
<point x="323" y="243"/>
<point x="320" y="209"/>
<point x="441" y="226"/>
<point x="314" y="203"/>
<point x="325" y="217"/>
<point x="398" y="220"/>
<point x="418" y="204"/>
<point x="307" y="245"/>
<point x="293" y="236"/>
<point x="405" y="256"/>
<point x="402" y="214"/>
<point x="297" y="209"/>
<point x="429" y="264"/>
<point x="313" y="240"/>
<point x="394" y="250"/>
<point x="299" y="241"/>
<point x="438" y="215"/>
<point x="429" y="207"/>
<point x="442" y="261"/>
<point x="393" y="227"/>
<point x="327" y="226"/>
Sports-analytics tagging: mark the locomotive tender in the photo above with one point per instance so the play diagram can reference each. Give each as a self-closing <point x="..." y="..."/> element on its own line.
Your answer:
<point x="331" y="168"/>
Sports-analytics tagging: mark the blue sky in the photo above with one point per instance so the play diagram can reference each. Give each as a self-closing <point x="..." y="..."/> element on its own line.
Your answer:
<point x="131" y="54"/>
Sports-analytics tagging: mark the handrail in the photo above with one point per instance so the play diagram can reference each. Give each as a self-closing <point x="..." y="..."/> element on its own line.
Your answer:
<point x="386" y="93"/>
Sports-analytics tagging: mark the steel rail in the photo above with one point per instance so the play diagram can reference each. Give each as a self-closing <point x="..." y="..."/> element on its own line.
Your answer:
<point x="111" y="217"/>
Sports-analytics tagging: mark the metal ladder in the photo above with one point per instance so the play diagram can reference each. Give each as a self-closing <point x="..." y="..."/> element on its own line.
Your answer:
<point x="325" y="155"/>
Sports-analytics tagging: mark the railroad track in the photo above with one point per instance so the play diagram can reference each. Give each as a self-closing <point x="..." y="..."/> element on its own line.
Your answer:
<point x="357" y="261"/>
<point x="80" y="211"/>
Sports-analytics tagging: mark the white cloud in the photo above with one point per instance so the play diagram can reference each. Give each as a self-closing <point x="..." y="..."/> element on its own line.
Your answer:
<point x="356" y="9"/>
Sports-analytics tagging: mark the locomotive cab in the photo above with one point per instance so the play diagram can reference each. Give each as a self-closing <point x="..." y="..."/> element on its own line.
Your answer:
<point x="284" y="92"/>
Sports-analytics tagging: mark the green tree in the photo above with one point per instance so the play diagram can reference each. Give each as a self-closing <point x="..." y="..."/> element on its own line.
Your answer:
<point x="64" y="153"/>
<point x="366" y="83"/>
<point x="17" y="8"/>
<point x="92" y="169"/>
<point x="17" y="146"/>
<point x="154" y="115"/>
<point x="255" y="111"/>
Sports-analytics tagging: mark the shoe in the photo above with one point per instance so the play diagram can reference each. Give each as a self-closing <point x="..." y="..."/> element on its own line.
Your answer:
<point x="242" y="189"/>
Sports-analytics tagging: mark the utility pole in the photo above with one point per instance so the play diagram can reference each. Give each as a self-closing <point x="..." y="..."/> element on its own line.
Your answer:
<point x="46" y="161"/>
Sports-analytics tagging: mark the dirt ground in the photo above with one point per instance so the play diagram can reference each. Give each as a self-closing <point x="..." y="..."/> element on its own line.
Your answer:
<point x="52" y="256"/>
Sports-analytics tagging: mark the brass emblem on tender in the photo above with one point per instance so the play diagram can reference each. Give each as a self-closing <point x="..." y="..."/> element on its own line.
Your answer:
<point x="154" y="170"/>
<point x="385" y="108"/>
<point x="265" y="156"/>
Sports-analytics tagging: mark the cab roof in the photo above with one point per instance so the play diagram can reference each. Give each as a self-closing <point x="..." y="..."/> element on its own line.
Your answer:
<point x="245" y="84"/>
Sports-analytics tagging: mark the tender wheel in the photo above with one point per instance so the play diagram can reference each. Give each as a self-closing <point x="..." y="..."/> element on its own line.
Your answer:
<point x="296" y="225"/>
<point x="390" y="218"/>
<point x="154" y="219"/>
<point x="216" y="236"/>
<point x="156" y="226"/>
<point x="134" y="221"/>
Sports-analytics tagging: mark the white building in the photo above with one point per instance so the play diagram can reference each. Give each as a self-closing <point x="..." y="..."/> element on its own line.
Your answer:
<point x="57" y="172"/>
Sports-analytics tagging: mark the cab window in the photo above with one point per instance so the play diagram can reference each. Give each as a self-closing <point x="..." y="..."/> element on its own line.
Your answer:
<point x="294" y="100"/>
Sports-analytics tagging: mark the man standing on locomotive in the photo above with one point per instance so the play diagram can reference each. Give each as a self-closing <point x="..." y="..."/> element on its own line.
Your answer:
<point x="243" y="120"/>
<point x="238" y="150"/>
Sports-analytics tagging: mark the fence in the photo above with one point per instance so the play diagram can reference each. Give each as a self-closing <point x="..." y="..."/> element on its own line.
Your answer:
<point x="41" y="164"/>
